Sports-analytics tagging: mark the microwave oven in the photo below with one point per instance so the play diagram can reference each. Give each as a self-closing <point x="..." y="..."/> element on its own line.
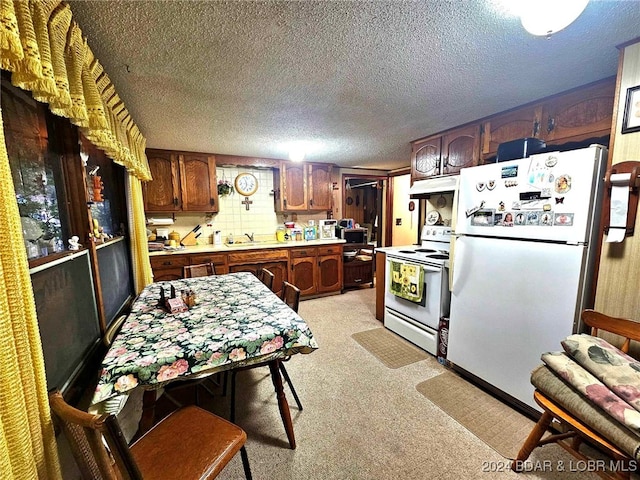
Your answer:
<point x="353" y="235"/>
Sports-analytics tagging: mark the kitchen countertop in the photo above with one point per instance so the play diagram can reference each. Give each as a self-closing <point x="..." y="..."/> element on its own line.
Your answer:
<point x="210" y="248"/>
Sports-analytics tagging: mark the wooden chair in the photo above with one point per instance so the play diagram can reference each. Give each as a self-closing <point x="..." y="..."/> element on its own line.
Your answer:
<point x="188" y="443"/>
<point x="266" y="277"/>
<point x="290" y="296"/>
<point x="580" y="419"/>
<point x="200" y="270"/>
<point x="112" y="330"/>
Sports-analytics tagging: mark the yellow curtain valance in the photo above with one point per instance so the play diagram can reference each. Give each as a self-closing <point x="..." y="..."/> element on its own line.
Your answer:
<point x="44" y="49"/>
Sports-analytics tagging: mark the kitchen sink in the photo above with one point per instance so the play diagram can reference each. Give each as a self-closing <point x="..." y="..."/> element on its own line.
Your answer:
<point x="257" y="243"/>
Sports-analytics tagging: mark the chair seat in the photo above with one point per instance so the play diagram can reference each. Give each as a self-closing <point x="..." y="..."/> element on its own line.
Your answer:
<point x="585" y="417"/>
<point x="160" y="452"/>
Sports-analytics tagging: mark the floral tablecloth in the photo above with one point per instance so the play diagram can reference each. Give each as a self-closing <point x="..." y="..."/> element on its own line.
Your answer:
<point x="236" y="321"/>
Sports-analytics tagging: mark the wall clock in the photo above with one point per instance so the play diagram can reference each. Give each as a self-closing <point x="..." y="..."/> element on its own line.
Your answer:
<point x="246" y="184"/>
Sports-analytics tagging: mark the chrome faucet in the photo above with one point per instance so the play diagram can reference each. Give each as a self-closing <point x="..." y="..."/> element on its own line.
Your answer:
<point x="250" y="237"/>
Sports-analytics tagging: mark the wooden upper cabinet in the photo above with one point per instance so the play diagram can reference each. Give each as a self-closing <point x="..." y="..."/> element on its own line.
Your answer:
<point x="460" y="148"/>
<point x="425" y="158"/>
<point x="445" y="154"/>
<point x="198" y="183"/>
<point x="521" y="123"/>
<point x="294" y="187"/>
<point x="580" y="114"/>
<point x="162" y="194"/>
<point x="181" y="182"/>
<point x="320" y="186"/>
<point x="303" y="187"/>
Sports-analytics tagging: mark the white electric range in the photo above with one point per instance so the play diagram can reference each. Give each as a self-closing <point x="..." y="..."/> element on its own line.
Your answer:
<point x="418" y="321"/>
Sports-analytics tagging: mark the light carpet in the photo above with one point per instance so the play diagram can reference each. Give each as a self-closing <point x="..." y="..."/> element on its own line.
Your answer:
<point x="493" y="422"/>
<point x="391" y="349"/>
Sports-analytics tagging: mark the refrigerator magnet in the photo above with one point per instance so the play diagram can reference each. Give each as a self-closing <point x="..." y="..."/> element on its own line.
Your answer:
<point x="483" y="218"/>
<point x="497" y="219"/>
<point x="546" y="220"/>
<point x="507" y="221"/>
<point x="491" y="184"/>
<point x="520" y="219"/>
<point x="563" y="219"/>
<point x="533" y="218"/>
<point x="563" y="184"/>
<point x="480" y="186"/>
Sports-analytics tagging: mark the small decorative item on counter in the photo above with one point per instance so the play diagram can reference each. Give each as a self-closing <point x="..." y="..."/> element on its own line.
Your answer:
<point x="189" y="297"/>
<point x="73" y="243"/>
<point x="172" y="304"/>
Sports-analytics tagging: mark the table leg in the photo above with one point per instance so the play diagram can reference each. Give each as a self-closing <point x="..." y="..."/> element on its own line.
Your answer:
<point x="285" y="414"/>
<point x="148" y="412"/>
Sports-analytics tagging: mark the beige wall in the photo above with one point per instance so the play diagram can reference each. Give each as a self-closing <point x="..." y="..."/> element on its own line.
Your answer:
<point x="407" y="233"/>
<point x="618" y="291"/>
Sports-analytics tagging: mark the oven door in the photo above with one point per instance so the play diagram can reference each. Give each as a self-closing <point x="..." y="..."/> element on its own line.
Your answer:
<point x="434" y="303"/>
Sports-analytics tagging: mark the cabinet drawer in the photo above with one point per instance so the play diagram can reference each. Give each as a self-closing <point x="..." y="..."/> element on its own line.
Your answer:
<point x="168" y="261"/>
<point x="216" y="259"/>
<point x="303" y="252"/>
<point x="330" y="250"/>
<point x="258" y="256"/>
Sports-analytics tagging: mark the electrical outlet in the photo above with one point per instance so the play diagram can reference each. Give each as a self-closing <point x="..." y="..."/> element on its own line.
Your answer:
<point x="398" y="221"/>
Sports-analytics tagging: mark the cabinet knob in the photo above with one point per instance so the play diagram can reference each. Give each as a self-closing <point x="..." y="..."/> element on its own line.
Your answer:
<point x="175" y="201"/>
<point x="551" y="124"/>
<point x="311" y="202"/>
<point x="212" y="202"/>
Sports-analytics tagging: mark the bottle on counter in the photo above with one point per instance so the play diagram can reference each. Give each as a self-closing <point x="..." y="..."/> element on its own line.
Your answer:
<point x="230" y="239"/>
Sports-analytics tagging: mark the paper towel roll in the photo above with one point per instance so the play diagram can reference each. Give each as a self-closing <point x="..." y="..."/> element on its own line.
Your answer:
<point x="160" y="221"/>
<point x="619" y="207"/>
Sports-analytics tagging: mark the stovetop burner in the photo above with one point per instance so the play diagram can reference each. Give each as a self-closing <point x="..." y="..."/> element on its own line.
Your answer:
<point x="441" y="256"/>
<point x="426" y="250"/>
<point x="408" y="251"/>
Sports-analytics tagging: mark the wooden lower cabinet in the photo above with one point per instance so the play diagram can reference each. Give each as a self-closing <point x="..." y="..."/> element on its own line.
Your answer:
<point x="312" y="269"/>
<point x="316" y="270"/>
<point x="219" y="260"/>
<point x="357" y="272"/>
<point x="380" y="259"/>
<point x="168" y="267"/>
<point x="329" y="269"/>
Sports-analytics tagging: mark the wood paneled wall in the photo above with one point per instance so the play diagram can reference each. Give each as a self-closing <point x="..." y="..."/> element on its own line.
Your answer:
<point x="617" y="292"/>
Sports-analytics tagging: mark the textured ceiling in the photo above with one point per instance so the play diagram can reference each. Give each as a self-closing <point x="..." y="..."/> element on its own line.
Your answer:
<point x="358" y="79"/>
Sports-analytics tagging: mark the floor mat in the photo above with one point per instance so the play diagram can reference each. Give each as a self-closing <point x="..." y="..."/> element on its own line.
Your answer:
<point x="389" y="348"/>
<point x="493" y="422"/>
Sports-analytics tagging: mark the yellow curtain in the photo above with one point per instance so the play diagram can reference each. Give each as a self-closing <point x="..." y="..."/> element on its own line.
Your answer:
<point x="27" y="440"/>
<point x="138" y="235"/>
<point x="47" y="54"/>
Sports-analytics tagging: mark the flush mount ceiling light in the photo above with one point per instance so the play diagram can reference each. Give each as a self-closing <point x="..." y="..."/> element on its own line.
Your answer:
<point x="296" y="153"/>
<point x="546" y="17"/>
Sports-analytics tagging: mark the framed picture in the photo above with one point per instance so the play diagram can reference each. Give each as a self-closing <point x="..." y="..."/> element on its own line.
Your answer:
<point x="631" y="118"/>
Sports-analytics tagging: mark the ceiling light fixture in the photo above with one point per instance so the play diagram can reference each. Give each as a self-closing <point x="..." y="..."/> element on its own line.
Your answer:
<point x="546" y="17"/>
<point x="296" y="153"/>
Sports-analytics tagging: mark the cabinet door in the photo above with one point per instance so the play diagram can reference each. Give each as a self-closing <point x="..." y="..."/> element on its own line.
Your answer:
<point x="167" y="267"/>
<point x="303" y="274"/>
<point x="425" y="158"/>
<point x="320" y="187"/>
<point x="198" y="182"/>
<point x="579" y="115"/>
<point x="279" y="270"/>
<point x="460" y="148"/>
<point x="521" y="123"/>
<point x="329" y="273"/>
<point x="219" y="260"/>
<point x="162" y="194"/>
<point x="294" y="187"/>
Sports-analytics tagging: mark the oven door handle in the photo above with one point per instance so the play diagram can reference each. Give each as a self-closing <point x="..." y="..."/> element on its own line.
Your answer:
<point x="431" y="269"/>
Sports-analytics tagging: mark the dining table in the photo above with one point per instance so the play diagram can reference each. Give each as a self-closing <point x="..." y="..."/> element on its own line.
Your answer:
<point x="234" y="321"/>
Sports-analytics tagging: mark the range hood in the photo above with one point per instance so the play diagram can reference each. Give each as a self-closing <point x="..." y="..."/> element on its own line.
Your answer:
<point x="424" y="188"/>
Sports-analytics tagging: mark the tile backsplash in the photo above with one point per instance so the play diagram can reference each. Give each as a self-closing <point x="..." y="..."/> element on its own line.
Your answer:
<point x="233" y="217"/>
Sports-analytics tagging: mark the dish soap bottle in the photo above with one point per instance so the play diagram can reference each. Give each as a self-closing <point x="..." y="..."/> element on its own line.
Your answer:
<point x="230" y="239"/>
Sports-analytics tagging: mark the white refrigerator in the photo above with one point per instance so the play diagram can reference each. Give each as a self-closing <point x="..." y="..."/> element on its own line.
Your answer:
<point x="523" y="263"/>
